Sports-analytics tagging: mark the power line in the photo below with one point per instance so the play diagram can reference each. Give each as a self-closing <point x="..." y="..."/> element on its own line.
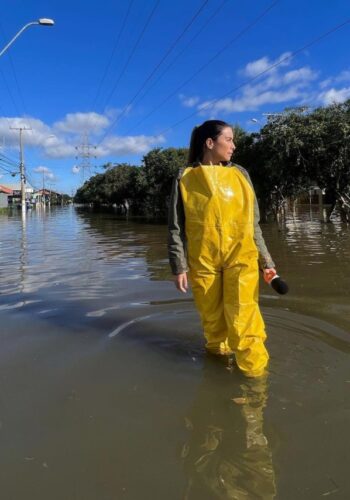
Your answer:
<point x="10" y="93"/>
<point x="7" y="167"/>
<point x="6" y="117"/>
<point x="33" y="184"/>
<point x="284" y="59"/>
<point x="14" y="75"/>
<point x="199" y="70"/>
<point x="169" y="50"/>
<point x="17" y="85"/>
<point x="113" y="52"/>
<point x="8" y="160"/>
<point x="215" y="13"/>
<point x="7" y="163"/>
<point x="132" y="52"/>
<point x="6" y="170"/>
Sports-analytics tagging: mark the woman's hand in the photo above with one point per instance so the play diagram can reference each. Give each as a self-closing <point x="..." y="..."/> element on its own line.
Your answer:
<point x="269" y="274"/>
<point x="181" y="282"/>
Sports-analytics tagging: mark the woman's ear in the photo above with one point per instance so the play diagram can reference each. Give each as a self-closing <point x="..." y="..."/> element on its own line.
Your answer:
<point x="209" y="143"/>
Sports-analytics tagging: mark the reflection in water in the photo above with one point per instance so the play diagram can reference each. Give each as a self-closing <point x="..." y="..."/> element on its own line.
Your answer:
<point x="227" y="455"/>
<point x="23" y="257"/>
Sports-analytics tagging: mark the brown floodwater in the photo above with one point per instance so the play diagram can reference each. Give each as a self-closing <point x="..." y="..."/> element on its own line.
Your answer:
<point x="106" y="391"/>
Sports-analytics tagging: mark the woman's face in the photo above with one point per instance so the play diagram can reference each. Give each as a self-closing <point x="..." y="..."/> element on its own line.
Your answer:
<point x="223" y="147"/>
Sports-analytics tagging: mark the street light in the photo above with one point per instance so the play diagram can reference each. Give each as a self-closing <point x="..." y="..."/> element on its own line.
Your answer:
<point x="41" y="22"/>
<point x="44" y="21"/>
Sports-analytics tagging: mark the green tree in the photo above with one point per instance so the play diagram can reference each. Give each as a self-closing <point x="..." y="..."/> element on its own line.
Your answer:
<point x="159" y="169"/>
<point x="327" y="154"/>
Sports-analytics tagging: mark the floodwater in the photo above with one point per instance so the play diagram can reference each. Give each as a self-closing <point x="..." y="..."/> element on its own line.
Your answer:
<point x="106" y="391"/>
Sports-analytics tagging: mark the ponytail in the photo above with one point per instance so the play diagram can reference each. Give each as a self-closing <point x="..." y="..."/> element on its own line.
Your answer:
<point x="209" y="129"/>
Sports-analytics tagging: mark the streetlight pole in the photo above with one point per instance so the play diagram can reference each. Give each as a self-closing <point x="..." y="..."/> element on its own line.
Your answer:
<point x="41" y="22"/>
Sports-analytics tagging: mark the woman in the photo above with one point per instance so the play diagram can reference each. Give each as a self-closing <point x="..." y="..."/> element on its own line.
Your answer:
<point x="214" y="234"/>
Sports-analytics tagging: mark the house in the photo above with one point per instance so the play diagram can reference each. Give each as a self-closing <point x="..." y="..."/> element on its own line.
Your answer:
<point x="15" y="197"/>
<point x="45" y="196"/>
<point x="5" y="193"/>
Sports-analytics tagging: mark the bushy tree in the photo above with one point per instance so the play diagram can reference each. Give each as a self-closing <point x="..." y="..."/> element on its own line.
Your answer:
<point x="159" y="169"/>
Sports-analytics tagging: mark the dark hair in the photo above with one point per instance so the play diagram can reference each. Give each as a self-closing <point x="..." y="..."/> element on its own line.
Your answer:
<point x="210" y="128"/>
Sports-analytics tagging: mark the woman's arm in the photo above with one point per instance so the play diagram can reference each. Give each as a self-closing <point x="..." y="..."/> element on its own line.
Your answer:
<point x="265" y="259"/>
<point x="176" y="231"/>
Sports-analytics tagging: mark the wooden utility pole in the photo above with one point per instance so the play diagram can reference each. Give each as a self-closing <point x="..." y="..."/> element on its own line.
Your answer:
<point x="22" y="166"/>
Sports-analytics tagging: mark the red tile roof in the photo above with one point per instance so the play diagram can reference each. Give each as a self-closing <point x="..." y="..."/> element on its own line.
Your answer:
<point x="5" y="190"/>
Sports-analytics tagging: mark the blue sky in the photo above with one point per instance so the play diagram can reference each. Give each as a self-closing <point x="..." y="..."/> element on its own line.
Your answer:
<point x="82" y="78"/>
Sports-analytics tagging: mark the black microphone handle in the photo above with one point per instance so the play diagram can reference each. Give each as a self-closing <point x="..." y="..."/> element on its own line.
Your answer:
<point x="279" y="285"/>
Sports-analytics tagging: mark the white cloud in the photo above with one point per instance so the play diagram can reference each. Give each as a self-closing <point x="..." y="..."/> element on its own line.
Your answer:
<point x="77" y="123"/>
<point x="249" y="102"/>
<point x="62" y="138"/>
<point x="127" y="145"/>
<point x="275" y="87"/>
<point x="60" y="149"/>
<point x="36" y="134"/>
<point x="256" y="67"/>
<point x="189" y="102"/>
<point x="76" y="169"/>
<point x="344" y="76"/>
<point x="300" y="76"/>
<point x="333" y="95"/>
<point x="45" y="171"/>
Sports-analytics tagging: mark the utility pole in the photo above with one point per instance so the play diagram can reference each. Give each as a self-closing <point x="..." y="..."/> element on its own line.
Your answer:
<point x="84" y="152"/>
<point x="43" y="195"/>
<point x="50" y="193"/>
<point x="21" y="166"/>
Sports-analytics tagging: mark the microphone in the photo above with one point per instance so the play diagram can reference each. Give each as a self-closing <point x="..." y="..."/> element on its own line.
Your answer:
<point x="279" y="285"/>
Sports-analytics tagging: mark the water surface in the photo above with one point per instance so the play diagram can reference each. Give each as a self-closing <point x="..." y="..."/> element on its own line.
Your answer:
<point x="107" y="393"/>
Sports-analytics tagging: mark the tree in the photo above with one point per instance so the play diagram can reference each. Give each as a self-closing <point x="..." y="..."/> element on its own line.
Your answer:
<point x="119" y="186"/>
<point x="160" y="168"/>
<point x="296" y="150"/>
<point x="328" y="153"/>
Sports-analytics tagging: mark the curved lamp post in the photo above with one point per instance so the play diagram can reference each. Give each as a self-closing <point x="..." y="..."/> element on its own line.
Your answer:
<point x="42" y="22"/>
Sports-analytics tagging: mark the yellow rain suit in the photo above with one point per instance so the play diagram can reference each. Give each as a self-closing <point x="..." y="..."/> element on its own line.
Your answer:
<point x="218" y="210"/>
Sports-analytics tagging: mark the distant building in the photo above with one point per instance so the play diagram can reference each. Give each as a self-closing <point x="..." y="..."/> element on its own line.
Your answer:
<point x="5" y="192"/>
<point x="45" y="196"/>
<point x="15" y="197"/>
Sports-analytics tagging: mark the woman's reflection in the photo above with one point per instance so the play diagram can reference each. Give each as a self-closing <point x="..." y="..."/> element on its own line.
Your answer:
<point x="227" y="454"/>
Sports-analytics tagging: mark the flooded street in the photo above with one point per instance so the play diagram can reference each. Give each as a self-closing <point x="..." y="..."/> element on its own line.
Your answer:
<point x="106" y="390"/>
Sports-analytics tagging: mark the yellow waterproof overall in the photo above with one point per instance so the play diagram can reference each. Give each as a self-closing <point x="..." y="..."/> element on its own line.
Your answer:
<point x="223" y="262"/>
